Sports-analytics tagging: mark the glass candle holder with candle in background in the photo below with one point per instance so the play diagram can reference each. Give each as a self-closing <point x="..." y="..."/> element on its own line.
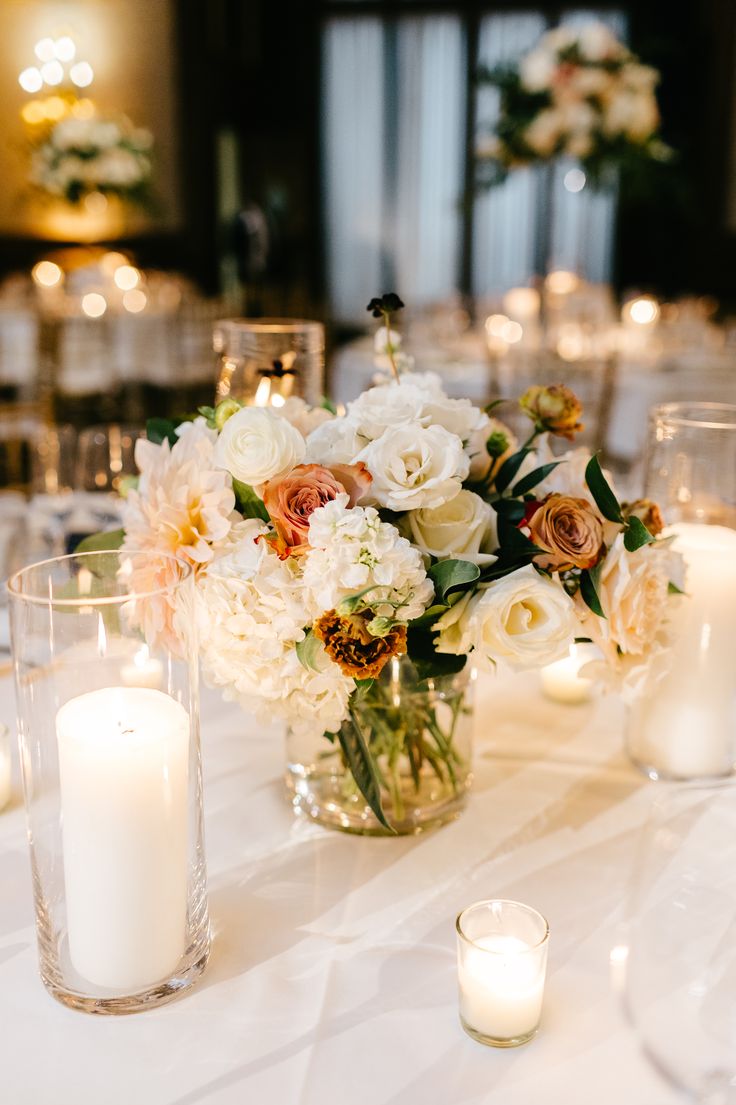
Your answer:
<point x="263" y="362"/>
<point x="502" y="965"/>
<point x="108" y="717"/>
<point x="682" y="722"/>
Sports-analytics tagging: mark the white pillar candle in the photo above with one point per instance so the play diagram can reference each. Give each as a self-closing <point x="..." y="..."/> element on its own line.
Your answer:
<point x="143" y="670"/>
<point x="123" y="767"/>
<point x="501" y="987"/>
<point x="5" y="767"/>
<point x="562" y="681"/>
<point x="684" y="724"/>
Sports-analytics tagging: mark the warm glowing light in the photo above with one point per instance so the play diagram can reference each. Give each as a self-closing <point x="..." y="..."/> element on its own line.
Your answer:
<point x="574" y="180"/>
<point x="47" y="274"/>
<point x="562" y="282"/>
<point x="135" y="300"/>
<point x="94" y="305"/>
<point x="31" y="80"/>
<point x="571" y="344"/>
<point x="511" y="332"/>
<point x="277" y="400"/>
<point x="643" y="311"/>
<point x="112" y="261"/>
<point x="54" y="108"/>
<point x="64" y="48"/>
<point x="95" y="203"/>
<point x="33" y="112"/>
<point x="52" y="72"/>
<point x="126" y="277"/>
<point x="83" y="109"/>
<point x="82" y="74"/>
<point x="44" y="49"/>
<point x="495" y="325"/>
<point x="522" y="302"/>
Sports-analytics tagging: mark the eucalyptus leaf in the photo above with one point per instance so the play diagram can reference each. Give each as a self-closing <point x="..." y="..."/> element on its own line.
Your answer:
<point x="533" y="478"/>
<point x="452" y="575"/>
<point x="636" y="534"/>
<point x="308" y="650"/>
<point x="249" y="504"/>
<point x="605" y="499"/>
<point x="358" y="758"/>
<point x="589" y="590"/>
<point x="509" y="469"/>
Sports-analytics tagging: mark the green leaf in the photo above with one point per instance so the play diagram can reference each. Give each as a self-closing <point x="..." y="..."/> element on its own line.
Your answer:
<point x="429" y="663"/>
<point x="209" y="414"/>
<point x="308" y="650"/>
<point x="159" y="430"/>
<point x="533" y="478"/>
<point x="512" y="509"/>
<point x="673" y="589"/>
<point x="364" y="685"/>
<point x="358" y="758"/>
<point x="509" y="468"/>
<point x="636" y="534"/>
<point x="490" y="407"/>
<point x="102" y="542"/>
<point x="452" y="575"/>
<point x="589" y="590"/>
<point x="248" y="503"/>
<point x="605" y="499"/>
<point x="430" y="615"/>
<point x="328" y="405"/>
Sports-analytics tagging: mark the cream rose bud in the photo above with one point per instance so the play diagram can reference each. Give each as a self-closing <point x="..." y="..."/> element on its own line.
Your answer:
<point x="257" y="445"/>
<point x="454" y="636"/>
<point x="525" y="620"/>
<point x="463" y="528"/>
<point x="415" y="467"/>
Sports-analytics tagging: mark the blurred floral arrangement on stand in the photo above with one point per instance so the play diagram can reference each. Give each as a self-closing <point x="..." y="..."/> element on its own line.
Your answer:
<point x="579" y="93"/>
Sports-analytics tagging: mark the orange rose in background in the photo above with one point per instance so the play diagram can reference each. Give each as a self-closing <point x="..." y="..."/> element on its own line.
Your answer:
<point x="569" y="532"/>
<point x="555" y="409"/>
<point x="292" y="499"/>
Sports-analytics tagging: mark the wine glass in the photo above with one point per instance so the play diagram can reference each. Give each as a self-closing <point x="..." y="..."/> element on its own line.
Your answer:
<point x="680" y="978"/>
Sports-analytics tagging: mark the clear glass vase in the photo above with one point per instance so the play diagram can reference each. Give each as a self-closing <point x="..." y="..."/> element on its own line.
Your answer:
<point x="265" y="361"/>
<point x="108" y="718"/>
<point x="420" y="735"/>
<point x="682" y="723"/>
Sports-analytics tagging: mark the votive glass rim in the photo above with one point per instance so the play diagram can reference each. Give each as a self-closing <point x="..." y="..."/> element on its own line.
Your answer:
<point x="16" y="592"/>
<point x="503" y="901"/>
<point x="673" y="413"/>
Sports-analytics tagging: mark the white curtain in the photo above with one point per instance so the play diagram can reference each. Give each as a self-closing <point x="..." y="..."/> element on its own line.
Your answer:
<point x="394" y="106"/>
<point x="353" y="119"/>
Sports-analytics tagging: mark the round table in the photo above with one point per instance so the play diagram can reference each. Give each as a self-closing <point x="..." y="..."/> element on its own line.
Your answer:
<point x="332" y="979"/>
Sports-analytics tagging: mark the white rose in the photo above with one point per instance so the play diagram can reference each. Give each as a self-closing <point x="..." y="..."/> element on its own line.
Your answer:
<point x="334" y="442"/>
<point x="459" y="416"/>
<point x="387" y="405"/>
<point x="633" y="114"/>
<point x="256" y="445"/>
<point x="524" y="619"/>
<point x="537" y="70"/>
<point x="415" y="466"/>
<point x="303" y="417"/>
<point x="465" y="528"/>
<point x="544" y="131"/>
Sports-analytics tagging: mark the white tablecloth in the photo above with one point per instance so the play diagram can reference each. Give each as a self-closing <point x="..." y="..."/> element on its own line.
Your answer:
<point x="332" y="979"/>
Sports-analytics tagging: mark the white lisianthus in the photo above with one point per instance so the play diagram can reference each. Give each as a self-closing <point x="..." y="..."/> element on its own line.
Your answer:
<point x="334" y="442"/>
<point x="256" y="445"/>
<point x="537" y="69"/>
<point x="525" y="620"/>
<point x="464" y="527"/>
<point x="303" y="417"/>
<point x="414" y="467"/>
<point x="351" y="550"/>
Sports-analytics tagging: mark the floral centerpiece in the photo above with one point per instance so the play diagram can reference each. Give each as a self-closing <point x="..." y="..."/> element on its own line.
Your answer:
<point x="352" y="570"/>
<point x="100" y="154"/>
<point x="579" y="93"/>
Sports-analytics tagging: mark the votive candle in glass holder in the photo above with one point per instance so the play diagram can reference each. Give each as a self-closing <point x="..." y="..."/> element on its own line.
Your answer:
<point x="682" y="723"/>
<point x="263" y="362"/>
<point x="108" y="717"/>
<point x="502" y="964"/>
<point x="562" y="681"/>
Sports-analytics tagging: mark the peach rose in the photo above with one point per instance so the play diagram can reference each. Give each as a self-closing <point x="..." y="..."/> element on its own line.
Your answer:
<point x="291" y="500"/>
<point x="555" y="409"/>
<point x="569" y="531"/>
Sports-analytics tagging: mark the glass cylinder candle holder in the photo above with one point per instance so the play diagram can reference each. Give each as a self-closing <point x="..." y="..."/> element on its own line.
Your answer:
<point x="682" y="723"/>
<point x="108" y="718"/>
<point x="502" y="964"/>
<point x="263" y="362"/>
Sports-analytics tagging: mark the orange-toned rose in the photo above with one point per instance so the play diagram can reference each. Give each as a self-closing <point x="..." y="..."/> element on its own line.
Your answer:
<point x="569" y="531"/>
<point x="291" y="500"/>
<point x="555" y="409"/>
<point x="648" y="514"/>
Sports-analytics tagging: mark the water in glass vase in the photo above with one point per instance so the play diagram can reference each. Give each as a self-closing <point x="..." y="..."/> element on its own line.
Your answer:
<point x="420" y="736"/>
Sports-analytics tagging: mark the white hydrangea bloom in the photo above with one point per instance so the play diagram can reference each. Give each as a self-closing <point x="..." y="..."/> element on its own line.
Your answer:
<point x="351" y="550"/>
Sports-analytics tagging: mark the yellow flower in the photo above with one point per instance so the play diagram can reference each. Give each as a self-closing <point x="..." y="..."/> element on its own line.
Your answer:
<point x="554" y="408"/>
